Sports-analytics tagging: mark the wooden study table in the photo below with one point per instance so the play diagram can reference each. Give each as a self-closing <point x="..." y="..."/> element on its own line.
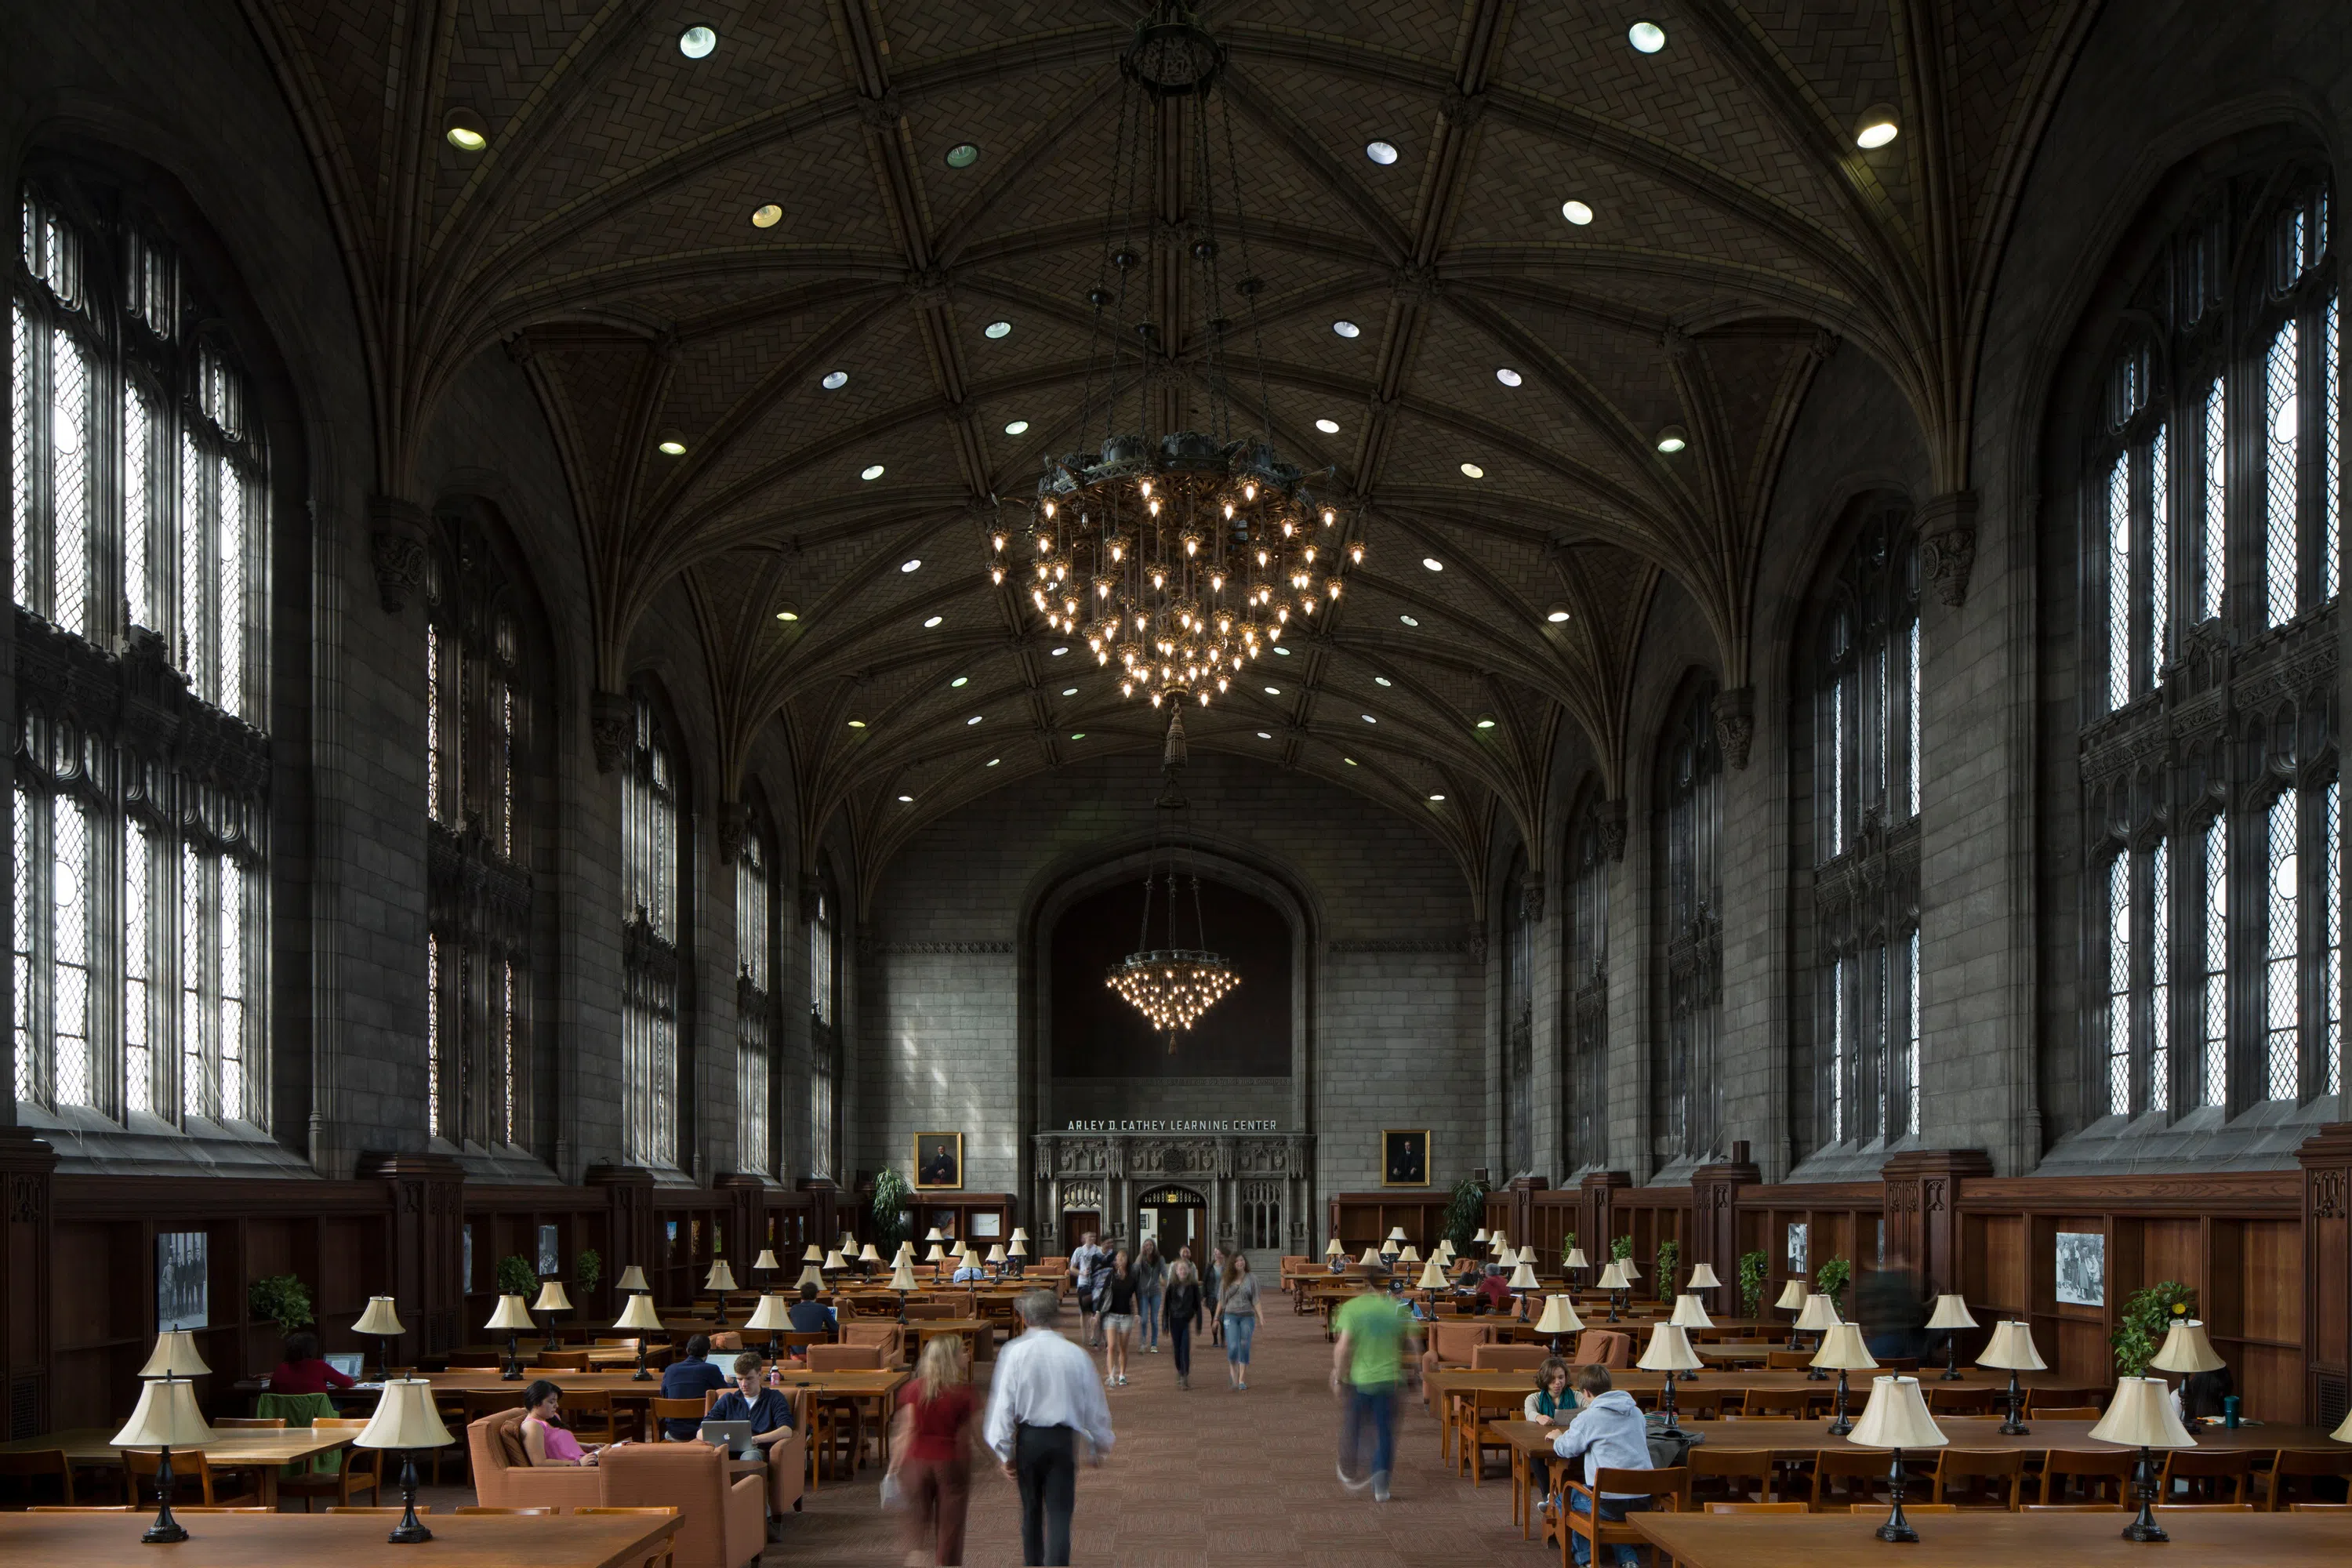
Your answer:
<point x="347" y="1541"/>
<point x="1977" y="1537"/>
<point x="261" y="1450"/>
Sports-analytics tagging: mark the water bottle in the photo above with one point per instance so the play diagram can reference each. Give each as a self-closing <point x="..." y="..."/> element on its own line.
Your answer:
<point x="2229" y="1410"/>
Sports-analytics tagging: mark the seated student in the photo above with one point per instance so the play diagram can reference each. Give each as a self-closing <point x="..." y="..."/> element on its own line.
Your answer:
<point x="304" y="1371"/>
<point x="1494" y="1292"/>
<point x="1551" y="1402"/>
<point x="1338" y="1263"/>
<point x="811" y="1316"/>
<point x="969" y="1271"/>
<point x="1612" y="1433"/>
<point x="769" y="1411"/>
<point x="689" y="1379"/>
<point x="1465" y="1278"/>
<point x="546" y="1442"/>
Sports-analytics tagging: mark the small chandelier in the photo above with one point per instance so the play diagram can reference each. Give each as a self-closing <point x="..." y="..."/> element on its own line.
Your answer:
<point x="1180" y="555"/>
<point x="1171" y="987"/>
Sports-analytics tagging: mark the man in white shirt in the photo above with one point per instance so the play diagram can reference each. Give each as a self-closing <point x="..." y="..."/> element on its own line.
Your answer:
<point x="1042" y="1398"/>
<point x="1085" y="1263"/>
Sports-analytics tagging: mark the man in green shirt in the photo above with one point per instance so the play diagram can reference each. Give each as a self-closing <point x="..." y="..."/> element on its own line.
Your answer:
<point x="1375" y="1336"/>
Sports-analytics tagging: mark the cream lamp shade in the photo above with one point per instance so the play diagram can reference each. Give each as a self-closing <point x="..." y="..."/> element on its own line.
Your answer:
<point x="810" y="1275"/>
<point x="1575" y="1259"/>
<point x="996" y="1253"/>
<point x="771" y="1314"/>
<point x="936" y="1234"/>
<point x="1633" y="1272"/>
<point x="1669" y="1349"/>
<point x="767" y="1258"/>
<point x="405" y="1418"/>
<point x="1495" y="1238"/>
<point x="2141" y="1416"/>
<point x="1396" y="1233"/>
<point x="379" y="1320"/>
<point x="2186" y="1349"/>
<point x="1370" y="1258"/>
<point x="720" y="1277"/>
<point x="552" y="1298"/>
<point x="1689" y="1314"/>
<point x="906" y="1253"/>
<point x="1445" y="1250"/>
<point x="1020" y="1247"/>
<point x="1433" y="1278"/>
<point x="639" y="1314"/>
<point x="937" y="1256"/>
<point x="510" y="1313"/>
<point x="1019" y="1234"/>
<point x="2343" y="1433"/>
<point x="813" y="1253"/>
<point x="1896" y="1417"/>
<point x="867" y="1254"/>
<point x="1819" y="1315"/>
<point x="165" y="1417"/>
<point x="1332" y="1248"/>
<point x="1612" y="1277"/>
<point x="1952" y="1312"/>
<point x="1479" y="1239"/>
<point x="1523" y="1278"/>
<point x="2012" y="1349"/>
<point x="848" y="1243"/>
<point x="902" y="1278"/>
<point x="1843" y="1350"/>
<point x="1507" y="1259"/>
<point x="1558" y="1317"/>
<point x="1792" y="1296"/>
<point x="1703" y="1278"/>
<point x="174" y="1355"/>
<point x="633" y="1278"/>
<point x="1409" y="1254"/>
<point x="834" y="1260"/>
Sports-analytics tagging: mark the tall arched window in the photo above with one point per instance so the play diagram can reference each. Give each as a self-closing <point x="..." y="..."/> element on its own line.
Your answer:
<point x="1861" y="861"/>
<point x="654" y="879"/>
<point x="1518" y="1022"/>
<point x="484" y="660"/>
<point x="139" y="518"/>
<point x="1588" y="984"/>
<point x="824" y="1032"/>
<point x="1690" y="831"/>
<point x="2211" y="520"/>
<point x="754" y="996"/>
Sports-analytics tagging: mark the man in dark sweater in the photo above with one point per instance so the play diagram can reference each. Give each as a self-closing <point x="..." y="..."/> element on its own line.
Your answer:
<point x="691" y="1378"/>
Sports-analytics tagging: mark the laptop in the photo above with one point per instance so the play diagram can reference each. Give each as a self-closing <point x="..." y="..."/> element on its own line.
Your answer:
<point x="348" y="1363"/>
<point x="735" y="1437"/>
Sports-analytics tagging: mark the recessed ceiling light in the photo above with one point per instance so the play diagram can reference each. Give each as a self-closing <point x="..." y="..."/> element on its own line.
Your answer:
<point x="915" y="565"/>
<point x="1647" y="38"/>
<point x="466" y="130"/>
<point x="1350" y="760"/>
<point x="671" y="444"/>
<point x="1017" y="428"/>
<point x="767" y="216"/>
<point x="959" y="681"/>
<point x="973" y="720"/>
<point x="1274" y="691"/>
<point x="1060" y="651"/>
<point x="1368" y="718"/>
<point x="696" y="43"/>
<point x="1408" y="620"/>
<point x="857" y="723"/>
<point x="1508" y="376"/>
<point x="1876" y="127"/>
<point x="906" y="798"/>
<point x="1673" y="439"/>
<point x="788" y="615"/>
<point x="1265" y="734"/>
<point x="933" y="621"/>
<point x="871" y="471"/>
<point x="1328" y="427"/>
<point x="1558" y="614"/>
<point x="1437" y="797"/>
<point x="964" y="155"/>
<point x="1577" y="213"/>
<point x="997" y="330"/>
<point x="1433" y="564"/>
<point x="1069" y="692"/>
<point x="1472" y="471"/>
<point x="1382" y="152"/>
<point x="834" y="380"/>
<point x="993" y="760"/>
<point x="1486" y="723"/>
<point x="1383" y="680"/>
<point x="1281" y="651"/>
<point x="1079" y="735"/>
<point x="1346" y="329"/>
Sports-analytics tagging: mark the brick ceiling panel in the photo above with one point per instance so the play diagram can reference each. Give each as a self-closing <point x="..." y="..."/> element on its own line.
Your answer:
<point x="1422" y="31"/>
<point x="934" y="35"/>
<point x="1347" y="115"/>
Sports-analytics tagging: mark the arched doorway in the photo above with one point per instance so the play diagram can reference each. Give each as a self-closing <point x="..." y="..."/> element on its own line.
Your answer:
<point x="1177" y="1217"/>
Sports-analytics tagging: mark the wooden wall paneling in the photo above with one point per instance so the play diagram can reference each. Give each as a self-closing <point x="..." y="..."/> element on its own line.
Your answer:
<point x="2326" y="1210"/>
<point x="629" y="1214"/>
<point x="1714" y="1228"/>
<point x="1599" y="1192"/>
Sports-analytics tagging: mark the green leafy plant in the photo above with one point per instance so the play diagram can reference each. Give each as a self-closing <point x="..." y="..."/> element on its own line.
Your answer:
<point x="1670" y="1259"/>
<point x="1570" y="1245"/>
<point x="1621" y="1247"/>
<point x="1465" y="1212"/>
<point x="1753" y="1268"/>
<point x="892" y="1196"/>
<point x="280" y="1299"/>
<point x="516" y="1277"/>
<point x="587" y="1268"/>
<point x="1832" y="1279"/>
<point x="2147" y="1316"/>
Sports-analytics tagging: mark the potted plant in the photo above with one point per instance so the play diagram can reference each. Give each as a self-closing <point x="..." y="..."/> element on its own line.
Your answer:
<point x="284" y="1300"/>
<point x="1832" y="1279"/>
<point x="892" y="1196"/>
<point x="1466" y="1213"/>
<point x="1670" y="1258"/>
<point x="516" y="1277"/>
<point x="2147" y="1316"/>
<point x="1754" y="1266"/>
<point x="587" y="1270"/>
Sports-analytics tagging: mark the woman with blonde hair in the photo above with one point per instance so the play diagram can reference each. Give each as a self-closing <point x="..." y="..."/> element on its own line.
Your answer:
<point x="930" y="1451"/>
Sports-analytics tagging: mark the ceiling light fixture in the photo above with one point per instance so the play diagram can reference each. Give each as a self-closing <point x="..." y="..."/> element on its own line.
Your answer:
<point x="1350" y="760"/>
<point x="788" y="614"/>
<point x="1282" y="652"/>
<point x="1486" y="721"/>
<point x="997" y="330"/>
<point x="464" y="130"/>
<point x="1408" y="620"/>
<point x="1383" y="680"/>
<point x="1508" y="376"/>
<point x="1274" y="691"/>
<point x="1647" y="38"/>
<point x="906" y="799"/>
<point x="958" y="681"/>
<point x="1431" y="564"/>
<point x="914" y="564"/>
<point x="971" y="722"/>
<point x="1079" y="735"/>
<point x="671" y="442"/>
<point x="1381" y="152"/>
<point x="1368" y="718"/>
<point x="871" y="472"/>
<point x="696" y="43"/>
<point x="1673" y="439"/>
<point x="767" y="216"/>
<point x="1172" y="984"/>
<point x="1877" y="126"/>
<point x="1472" y="470"/>
<point x="857" y="723"/>
<point x="1265" y="734"/>
<point x="1069" y="692"/>
<point x="1557" y="614"/>
<point x="993" y="760"/>
<point x="1058" y="652"/>
<point x="964" y="155"/>
<point x="1346" y="329"/>
<point x="1578" y="213"/>
<point x="834" y="380"/>
<point x="1328" y="427"/>
<point x="1437" y="798"/>
<point x="1016" y="427"/>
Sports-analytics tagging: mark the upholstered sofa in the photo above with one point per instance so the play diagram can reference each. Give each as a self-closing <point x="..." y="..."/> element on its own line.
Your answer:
<point x="724" y="1518"/>
<point x="1449" y="1347"/>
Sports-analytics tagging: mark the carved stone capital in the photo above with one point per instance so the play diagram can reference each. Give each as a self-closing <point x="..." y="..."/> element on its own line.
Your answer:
<point x="812" y="891"/>
<point x="396" y="534"/>
<point x="734" y="826"/>
<point x="1948" y="542"/>
<point x="1532" y="896"/>
<point x="612" y="724"/>
<point x="882" y="113"/>
<point x="1464" y="109"/>
<point x="1612" y="829"/>
<point x="1735" y="723"/>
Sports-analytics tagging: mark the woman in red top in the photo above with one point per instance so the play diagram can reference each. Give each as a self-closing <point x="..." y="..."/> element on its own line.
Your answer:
<point x="930" y="1452"/>
<point x="303" y="1371"/>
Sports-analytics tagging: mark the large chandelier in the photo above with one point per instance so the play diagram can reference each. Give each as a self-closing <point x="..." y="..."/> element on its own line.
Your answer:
<point x="1171" y="987"/>
<point x="1180" y="555"/>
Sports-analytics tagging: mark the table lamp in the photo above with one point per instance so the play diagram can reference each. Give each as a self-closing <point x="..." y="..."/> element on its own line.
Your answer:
<point x="1951" y="1315"/>
<point x="1669" y="1351"/>
<point x="773" y="1314"/>
<point x="937" y="1257"/>
<point x="1558" y="1321"/>
<point x="632" y="1278"/>
<point x="1842" y="1349"/>
<point x="2011" y="1350"/>
<point x="1370" y="1259"/>
<point x="639" y="1319"/>
<point x="811" y="1274"/>
<point x="868" y="1259"/>
<point x="719" y="1281"/>
<point x="551" y="1300"/>
<point x="1626" y="1263"/>
<point x="1573" y="1262"/>
<point x="1690" y="1313"/>
<point x="902" y="1280"/>
<point x="1020" y="1235"/>
<point x="1409" y="1254"/>
<point x="1432" y="1277"/>
<point x="165" y="1417"/>
<point x="1703" y="1277"/>
<point x="1335" y="1249"/>
<point x="765" y="1264"/>
<point x="2342" y="1434"/>
<point x="383" y="1323"/>
<point x="937" y="1235"/>
<point x="1018" y="1253"/>
<point x="1613" y="1280"/>
<point x="1479" y="1237"/>
<point x="1819" y="1317"/>
<point x="405" y="1421"/>
<point x="174" y="1355"/>
<point x="1896" y="1418"/>
<point x="512" y="1315"/>
<point x="812" y="1253"/>
<point x="996" y="1257"/>
<point x="1792" y="1299"/>
<point x="1523" y="1279"/>
<point x="835" y="1262"/>
<point x="1496" y="1240"/>
<point x="2141" y="1416"/>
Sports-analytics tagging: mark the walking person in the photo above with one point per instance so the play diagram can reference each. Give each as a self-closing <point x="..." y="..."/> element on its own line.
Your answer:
<point x="1150" y="1287"/>
<point x="1216" y="1278"/>
<point x="1184" y="1309"/>
<point x="1120" y="1289"/>
<point x="1238" y="1311"/>
<point x="1042" y="1400"/>
<point x="930" y="1452"/>
<point x="1374" y="1338"/>
<point x="1084" y="1265"/>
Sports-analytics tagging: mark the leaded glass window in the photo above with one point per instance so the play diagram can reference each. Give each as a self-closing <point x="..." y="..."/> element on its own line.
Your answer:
<point x="652" y="877"/>
<point x="754" y="999"/>
<point x="1588" y="989"/>
<point x="1688" y="1090"/>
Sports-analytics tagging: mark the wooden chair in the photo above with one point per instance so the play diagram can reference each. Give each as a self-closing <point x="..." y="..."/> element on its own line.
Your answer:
<point x="1481" y="1409"/>
<point x="360" y="1471"/>
<point x="2300" y="1469"/>
<point x="251" y="1423"/>
<point x="2068" y="1412"/>
<point x="481" y="1402"/>
<point x="1908" y="1507"/>
<point x="478" y="1507"/>
<point x="564" y="1361"/>
<point x="1969" y="1472"/>
<point x="663" y="1411"/>
<point x="1720" y="1478"/>
<point x="2319" y="1508"/>
<point x="593" y="1417"/>
<point x="2102" y="1477"/>
<point x="1788" y="1361"/>
<point x="1755" y="1507"/>
<point x="2071" y="1508"/>
<point x="2205" y="1472"/>
<point x="1606" y="1346"/>
<point x="1667" y="1490"/>
<point x="240" y="1508"/>
<point x="141" y="1465"/>
<point x="663" y="1552"/>
<point x="80" y="1507"/>
<point x="27" y="1468"/>
<point x="476" y="1360"/>
<point x="421" y="1508"/>
<point x="1843" y="1476"/>
<point x="1789" y="1401"/>
<point x="2204" y="1507"/>
<point x="1947" y="1401"/>
<point x="2048" y="1402"/>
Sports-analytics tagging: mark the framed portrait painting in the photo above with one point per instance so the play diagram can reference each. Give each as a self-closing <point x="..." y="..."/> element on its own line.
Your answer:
<point x="1404" y="1157"/>
<point x="939" y="1161"/>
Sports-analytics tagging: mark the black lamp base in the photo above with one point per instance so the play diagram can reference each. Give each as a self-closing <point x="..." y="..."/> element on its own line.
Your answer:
<point x="1896" y="1529"/>
<point x="1951" y="1357"/>
<point x="166" y="1530"/>
<point x="2014" y="1425"/>
<point x="411" y="1529"/>
<point x="643" y="1375"/>
<point x="2145" y="1527"/>
<point x="513" y="1373"/>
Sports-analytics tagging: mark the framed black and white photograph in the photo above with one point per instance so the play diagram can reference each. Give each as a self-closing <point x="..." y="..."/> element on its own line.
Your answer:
<point x="183" y="1279"/>
<point x="1800" y="1244"/>
<point x="939" y="1161"/>
<point x="551" y="1261"/>
<point x="1404" y="1157"/>
<point x="2082" y="1269"/>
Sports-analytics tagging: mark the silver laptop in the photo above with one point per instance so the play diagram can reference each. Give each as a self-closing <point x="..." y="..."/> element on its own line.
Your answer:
<point x="348" y="1363"/>
<point x="735" y="1437"/>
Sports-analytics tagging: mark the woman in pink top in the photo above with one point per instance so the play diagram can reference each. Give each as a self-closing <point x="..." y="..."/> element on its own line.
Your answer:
<point x="542" y="1439"/>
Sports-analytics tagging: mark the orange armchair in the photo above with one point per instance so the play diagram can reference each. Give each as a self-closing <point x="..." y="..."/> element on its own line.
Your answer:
<point x="724" y="1517"/>
<point x="1451" y="1346"/>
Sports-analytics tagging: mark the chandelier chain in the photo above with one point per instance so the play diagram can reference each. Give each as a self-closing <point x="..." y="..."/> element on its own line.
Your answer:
<point x="1250" y="280"/>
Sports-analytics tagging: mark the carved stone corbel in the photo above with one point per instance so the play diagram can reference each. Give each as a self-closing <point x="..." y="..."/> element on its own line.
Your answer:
<point x="396" y="534"/>
<point x="812" y="891"/>
<point x="1735" y="723"/>
<point x="1612" y="829"/>
<point x="1948" y="542"/>
<point x="734" y="826"/>
<point x="612" y="724"/>
<point x="1532" y="896"/>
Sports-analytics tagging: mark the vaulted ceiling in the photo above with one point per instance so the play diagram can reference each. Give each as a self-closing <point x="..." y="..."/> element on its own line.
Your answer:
<point x="605" y="235"/>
